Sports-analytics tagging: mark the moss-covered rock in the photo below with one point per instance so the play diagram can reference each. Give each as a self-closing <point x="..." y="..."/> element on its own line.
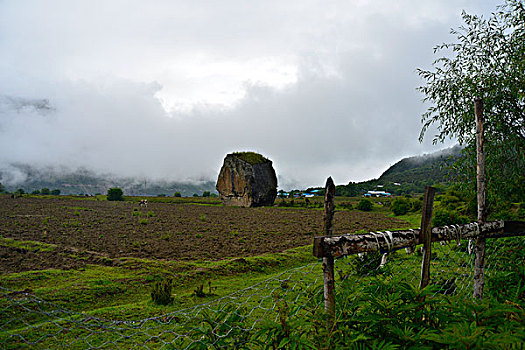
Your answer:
<point x="251" y="157"/>
<point x="247" y="179"/>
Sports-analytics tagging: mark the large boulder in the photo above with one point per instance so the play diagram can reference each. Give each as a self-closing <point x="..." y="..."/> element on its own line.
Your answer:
<point x="247" y="179"/>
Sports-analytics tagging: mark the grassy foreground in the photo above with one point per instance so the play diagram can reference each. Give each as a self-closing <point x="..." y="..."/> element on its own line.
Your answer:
<point x="109" y="305"/>
<point x="123" y="291"/>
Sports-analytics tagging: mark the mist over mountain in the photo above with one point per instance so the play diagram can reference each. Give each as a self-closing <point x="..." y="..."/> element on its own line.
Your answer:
<point x="84" y="181"/>
<point x="427" y="167"/>
<point x="409" y="175"/>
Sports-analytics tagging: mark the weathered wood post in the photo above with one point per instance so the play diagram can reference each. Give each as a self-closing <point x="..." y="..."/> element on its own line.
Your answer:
<point x="328" y="262"/>
<point x="479" y="250"/>
<point x="426" y="234"/>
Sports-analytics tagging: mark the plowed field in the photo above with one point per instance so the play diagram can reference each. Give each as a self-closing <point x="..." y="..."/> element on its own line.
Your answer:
<point x="90" y="231"/>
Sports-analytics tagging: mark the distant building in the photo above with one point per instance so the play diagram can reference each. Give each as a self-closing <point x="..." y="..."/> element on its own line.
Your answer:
<point x="377" y="194"/>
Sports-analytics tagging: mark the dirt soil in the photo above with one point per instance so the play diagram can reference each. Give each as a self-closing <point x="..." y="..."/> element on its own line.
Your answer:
<point x="100" y="232"/>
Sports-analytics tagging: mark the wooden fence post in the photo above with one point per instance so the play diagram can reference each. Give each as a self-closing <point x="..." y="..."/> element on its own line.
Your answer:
<point x="425" y="235"/>
<point x="328" y="262"/>
<point x="479" y="250"/>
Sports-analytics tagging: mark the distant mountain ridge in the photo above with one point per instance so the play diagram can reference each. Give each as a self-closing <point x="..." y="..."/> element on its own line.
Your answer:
<point x="409" y="175"/>
<point x="427" y="167"/>
<point x="86" y="182"/>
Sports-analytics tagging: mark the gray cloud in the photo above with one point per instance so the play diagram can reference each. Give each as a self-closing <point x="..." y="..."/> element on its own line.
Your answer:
<point x="135" y="88"/>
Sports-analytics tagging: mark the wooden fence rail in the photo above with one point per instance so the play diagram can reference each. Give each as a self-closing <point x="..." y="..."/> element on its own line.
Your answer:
<point x="329" y="247"/>
<point x="337" y="246"/>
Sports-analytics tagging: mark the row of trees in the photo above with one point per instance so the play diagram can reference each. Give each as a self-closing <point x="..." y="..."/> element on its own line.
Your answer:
<point x="116" y="194"/>
<point x="44" y="191"/>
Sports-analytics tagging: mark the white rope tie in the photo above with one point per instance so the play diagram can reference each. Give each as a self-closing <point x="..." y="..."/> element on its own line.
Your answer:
<point x="458" y="235"/>
<point x="391" y="242"/>
<point x="377" y="241"/>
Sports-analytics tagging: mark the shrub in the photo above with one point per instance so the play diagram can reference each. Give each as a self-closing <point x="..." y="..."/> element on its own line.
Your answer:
<point x="346" y="205"/>
<point x="364" y="205"/>
<point x="521" y="211"/>
<point x="45" y="191"/>
<point x="444" y="217"/>
<point x="401" y="206"/>
<point x="417" y="205"/>
<point x="55" y="192"/>
<point x="115" y="194"/>
<point x="161" y="292"/>
<point x="366" y="264"/>
<point x="177" y="194"/>
<point x="504" y="215"/>
<point x="206" y="193"/>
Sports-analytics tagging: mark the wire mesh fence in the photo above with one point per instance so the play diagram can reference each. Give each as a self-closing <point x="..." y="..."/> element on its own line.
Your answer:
<point x="264" y="313"/>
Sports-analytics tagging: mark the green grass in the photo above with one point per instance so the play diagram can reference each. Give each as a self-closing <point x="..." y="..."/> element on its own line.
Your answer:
<point x="32" y="246"/>
<point x="80" y="208"/>
<point x="413" y="218"/>
<point x="123" y="290"/>
<point x="122" y="293"/>
<point x="251" y="157"/>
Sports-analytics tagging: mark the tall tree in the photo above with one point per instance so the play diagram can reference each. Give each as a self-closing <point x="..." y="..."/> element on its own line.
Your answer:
<point x="487" y="60"/>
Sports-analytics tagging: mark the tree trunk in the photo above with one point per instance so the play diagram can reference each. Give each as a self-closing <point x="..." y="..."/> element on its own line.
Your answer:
<point x="479" y="250"/>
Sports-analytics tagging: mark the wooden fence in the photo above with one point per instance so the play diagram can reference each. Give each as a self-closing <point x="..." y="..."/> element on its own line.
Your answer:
<point x="329" y="246"/>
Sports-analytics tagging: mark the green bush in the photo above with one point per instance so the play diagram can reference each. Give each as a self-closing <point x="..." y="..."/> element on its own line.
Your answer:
<point x="364" y="205"/>
<point x="177" y="194"/>
<point x="521" y="211"/>
<point x="366" y="264"/>
<point x="401" y="206"/>
<point x="161" y="292"/>
<point x="346" y="205"/>
<point x="115" y="194"/>
<point x="444" y="217"/>
<point x="417" y="205"/>
<point x="508" y="282"/>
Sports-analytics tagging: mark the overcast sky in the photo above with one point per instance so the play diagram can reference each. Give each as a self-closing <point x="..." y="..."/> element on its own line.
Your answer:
<point x="165" y="89"/>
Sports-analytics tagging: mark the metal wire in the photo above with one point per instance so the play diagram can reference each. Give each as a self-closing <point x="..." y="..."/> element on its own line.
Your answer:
<point x="29" y="321"/>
